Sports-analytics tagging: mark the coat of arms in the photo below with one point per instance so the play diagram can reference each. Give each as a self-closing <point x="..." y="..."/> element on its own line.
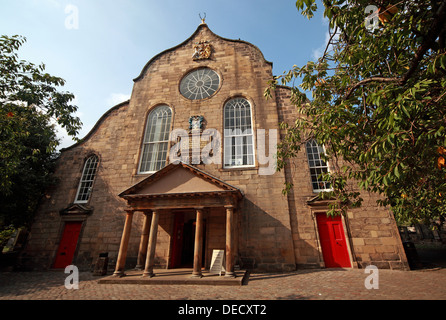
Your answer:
<point x="196" y="123"/>
<point x="203" y="50"/>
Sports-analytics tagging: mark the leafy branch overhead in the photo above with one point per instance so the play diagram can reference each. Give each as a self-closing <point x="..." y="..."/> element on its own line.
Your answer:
<point x="378" y="103"/>
<point x="24" y="83"/>
<point x="30" y="105"/>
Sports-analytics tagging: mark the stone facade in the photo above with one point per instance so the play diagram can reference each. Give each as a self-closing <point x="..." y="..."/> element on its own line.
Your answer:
<point x="272" y="231"/>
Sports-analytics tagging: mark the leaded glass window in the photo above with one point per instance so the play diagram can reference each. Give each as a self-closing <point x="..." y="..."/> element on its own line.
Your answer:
<point x="317" y="166"/>
<point x="238" y="134"/>
<point x="199" y="84"/>
<point x="156" y="140"/>
<point x="87" y="179"/>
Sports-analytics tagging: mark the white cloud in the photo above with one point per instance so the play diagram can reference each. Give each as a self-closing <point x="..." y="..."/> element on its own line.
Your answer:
<point x="318" y="52"/>
<point x="116" y="98"/>
<point x="62" y="135"/>
<point x="64" y="139"/>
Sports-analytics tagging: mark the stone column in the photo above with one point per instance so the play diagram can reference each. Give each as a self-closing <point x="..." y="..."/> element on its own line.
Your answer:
<point x="122" y="255"/>
<point x="198" y="249"/>
<point x="150" y="260"/>
<point x="229" y="242"/>
<point x="142" y="253"/>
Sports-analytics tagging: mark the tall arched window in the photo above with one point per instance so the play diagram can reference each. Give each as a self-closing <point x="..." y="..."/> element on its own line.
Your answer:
<point x="238" y="134"/>
<point x="156" y="140"/>
<point x="317" y="166"/>
<point x="87" y="179"/>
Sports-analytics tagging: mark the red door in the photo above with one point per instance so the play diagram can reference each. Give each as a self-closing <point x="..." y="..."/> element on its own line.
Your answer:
<point x="333" y="243"/>
<point x="68" y="244"/>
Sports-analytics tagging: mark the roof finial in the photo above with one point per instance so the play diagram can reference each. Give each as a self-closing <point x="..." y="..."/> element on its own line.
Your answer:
<point x="202" y="19"/>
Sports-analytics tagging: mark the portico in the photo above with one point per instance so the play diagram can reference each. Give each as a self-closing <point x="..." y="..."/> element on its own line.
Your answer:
<point x="173" y="188"/>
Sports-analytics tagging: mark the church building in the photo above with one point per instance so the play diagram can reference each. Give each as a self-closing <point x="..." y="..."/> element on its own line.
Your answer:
<point x="186" y="166"/>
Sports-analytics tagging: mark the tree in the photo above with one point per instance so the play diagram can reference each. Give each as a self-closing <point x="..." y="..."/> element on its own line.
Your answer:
<point x="30" y="105"/>
<point x="378" y="103"/>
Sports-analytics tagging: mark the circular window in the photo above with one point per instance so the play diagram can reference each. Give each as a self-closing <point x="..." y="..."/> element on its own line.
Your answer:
<point x="199" y="84"/>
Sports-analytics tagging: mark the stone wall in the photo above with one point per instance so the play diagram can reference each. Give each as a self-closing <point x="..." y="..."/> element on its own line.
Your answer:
<point x="371" y="230"/>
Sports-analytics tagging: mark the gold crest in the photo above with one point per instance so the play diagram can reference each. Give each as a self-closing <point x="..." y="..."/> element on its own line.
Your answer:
<point x="203" y="50"/>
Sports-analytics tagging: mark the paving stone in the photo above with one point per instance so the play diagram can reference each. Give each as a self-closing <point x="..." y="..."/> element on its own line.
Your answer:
<point x="333" y="284"/>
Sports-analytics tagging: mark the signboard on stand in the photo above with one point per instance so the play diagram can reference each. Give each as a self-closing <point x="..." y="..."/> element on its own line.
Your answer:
<point x="217" y="262"/>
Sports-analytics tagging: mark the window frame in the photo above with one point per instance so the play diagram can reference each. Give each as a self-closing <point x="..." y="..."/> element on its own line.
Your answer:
<point x="186" y="90"/>
<point x="83" y="180"/>
<point x="241" y="135"/>
<point x="323" y="165"/>
<point x="146" y="140"/>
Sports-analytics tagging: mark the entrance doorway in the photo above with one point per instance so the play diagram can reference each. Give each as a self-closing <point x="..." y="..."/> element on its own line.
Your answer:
<point x="333" y="242"/>
<point x="67" y="245"/>
<point x="183" y="240"/>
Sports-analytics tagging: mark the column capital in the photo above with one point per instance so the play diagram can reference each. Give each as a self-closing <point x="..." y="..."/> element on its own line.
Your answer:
<point x="157" y="210"/>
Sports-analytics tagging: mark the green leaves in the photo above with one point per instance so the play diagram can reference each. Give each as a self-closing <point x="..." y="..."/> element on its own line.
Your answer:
<point x="24" y="82"/>
<point x="378" y="101"/>
<point x="27" y="153"/>
<point x="307" y="7"/>
<point x="30" y="104"/>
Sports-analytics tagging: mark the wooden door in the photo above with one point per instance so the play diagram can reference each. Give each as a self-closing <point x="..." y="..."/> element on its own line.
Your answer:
<point x="177" y="240"/>
<point x="333" y="242"/>
<point x="68" y="244"/>
<point x="183" y="241"/>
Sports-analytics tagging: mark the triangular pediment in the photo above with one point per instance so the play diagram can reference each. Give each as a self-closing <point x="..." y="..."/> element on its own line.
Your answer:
<point x="76" y="209"/>
<point x="319" y="201"/>
<point x="178" y="178"/>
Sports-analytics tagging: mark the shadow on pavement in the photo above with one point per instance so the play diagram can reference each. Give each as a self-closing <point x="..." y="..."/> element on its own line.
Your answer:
<point x="252" y="276"/>
<point x="431" y="257"/>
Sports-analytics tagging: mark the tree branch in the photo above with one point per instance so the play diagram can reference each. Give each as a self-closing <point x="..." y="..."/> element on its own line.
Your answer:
<point x="438" y="25"/>
<point x="329" y="41"/>
<point x="371" y="79"/>
<point x="429" y="40"/>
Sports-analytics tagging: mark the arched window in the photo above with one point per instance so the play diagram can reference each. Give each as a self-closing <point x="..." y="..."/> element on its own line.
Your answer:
<point x="317" y="166"/>
<point x="238" y="134"/>
<point x="87" y="179"/>
<point x="156" y="140"/>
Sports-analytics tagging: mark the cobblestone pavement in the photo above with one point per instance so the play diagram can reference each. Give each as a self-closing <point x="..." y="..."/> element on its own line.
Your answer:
<point x="338" y="284"/>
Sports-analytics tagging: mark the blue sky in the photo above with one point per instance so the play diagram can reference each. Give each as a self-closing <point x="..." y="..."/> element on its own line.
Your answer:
<point x="113" y="39"/>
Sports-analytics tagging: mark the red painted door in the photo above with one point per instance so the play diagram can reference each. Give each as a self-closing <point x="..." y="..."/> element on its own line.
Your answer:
<point x="68" y="244"/>
<point x="333" y="242"/>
